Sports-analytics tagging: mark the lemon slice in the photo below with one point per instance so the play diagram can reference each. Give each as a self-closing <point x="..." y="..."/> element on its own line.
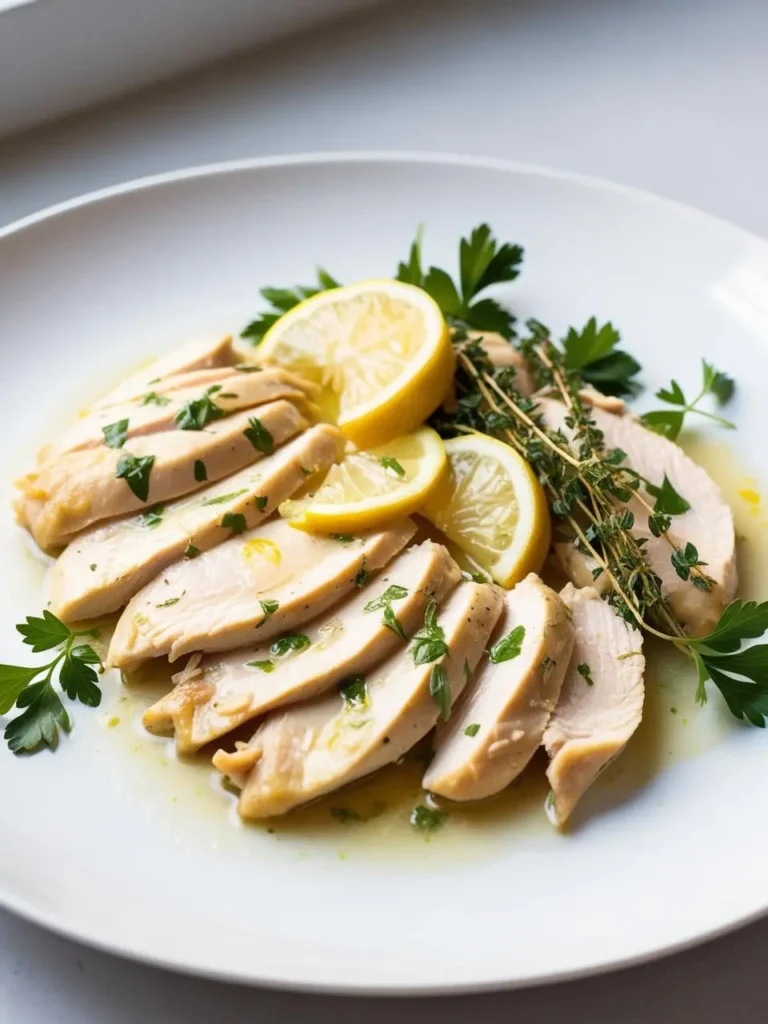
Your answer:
<point x="379" y="350"/>
<point x="371" y="488"/>
<point x="492" y="507"/>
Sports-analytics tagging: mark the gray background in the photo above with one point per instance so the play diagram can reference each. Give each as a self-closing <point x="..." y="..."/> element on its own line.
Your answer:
<point x="668" y="95"/>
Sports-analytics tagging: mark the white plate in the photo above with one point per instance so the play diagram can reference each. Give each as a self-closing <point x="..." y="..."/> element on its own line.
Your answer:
<point x="97" y="843"/>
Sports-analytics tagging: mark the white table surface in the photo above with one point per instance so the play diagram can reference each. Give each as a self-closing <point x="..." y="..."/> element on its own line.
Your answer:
<point x="667" y="95"/>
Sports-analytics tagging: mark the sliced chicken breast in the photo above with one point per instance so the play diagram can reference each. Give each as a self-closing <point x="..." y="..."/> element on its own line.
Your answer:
<point x="504" y="356"/>
<point x="219" y="694"/>
<point x="249" y="589"/>
<point x="601" y="703"/>
<point x="326" y="743"/>
<point x="104" y="567"/>
<point x="195" y="356"/>
<point x="75" y="491"/>
<point x="235" y="391"/>
<point x="500" y="721"/>
<point x="708" y="524"/>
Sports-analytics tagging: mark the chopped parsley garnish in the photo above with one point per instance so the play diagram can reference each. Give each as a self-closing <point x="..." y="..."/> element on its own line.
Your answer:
<point x="508" y="647"/>
<point x="115" y="434"/>
<point x="425" y="819"/>
<point x="290" y="642"/>
<point x="342" y="538"/>
<point x="269" y="607"/>
<point x="169" y="603"/>
<point x="93" y="567"/>
<point x="261" y="502"/>
<point x="152" y="398"/>
<point x="224" y="498"/>
<point x="354" y="693"/>
<point x="265" y="666"/>
<point x="136" y="472"/>
<point x="235" y="521"/>
<point x="201" y="473"/>
<point x="42" y="712"/>
<point x="586" y="673"/>
<point x="440" y="690"/>
<point x="392" y="593"/>
<point x="361" y="577"/>
<point x="389" y="463"/>
<point x="472" y="730"/>
<point x="391" y="621"/>
<point x="198" y="413"/>
<point x="247" y="368"/>
<point x="259" y="436"/>
<point x="429" y="643"/>
<point x="152" y="517"/>
<point x="191" y="551"/>
<point x="345" y="815"/>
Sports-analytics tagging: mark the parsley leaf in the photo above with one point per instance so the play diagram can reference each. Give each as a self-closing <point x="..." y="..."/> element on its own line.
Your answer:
<point x="151" y="518"/>
<point x="265" y="666"/>
<point x="261" y="502"/>
<point x="199" y="412"/>
<point x="508" y="646"/>
<point x="201" y="473"/>
<point x="361" y="577"/>
<point x="354" y="693"/>
<point x="593" y="353"/>
<point x="392" y="593"/>
<point x="429" y="643"/>
<point x="269" y="607"/>
<point x="136" y="473"/>
<point x="391" y="621"/>
<point x="586" y="673"/>
<point x="440" y="690"/>
<point x="668" y="501"/>
<point x="235" y="521"/>
<point x="259" y="436"/>
<point x="669" y="422"/>
<point x="152" y="398"/>
<point x="191" y="551"/>
<point x="222" y="499"/>
<point x="342" y="538"/>
<point x="389" y="463"/>
<point x="472" y="730"/>
<point x="290" y="642"/>
<point x="425" y="819"/>
<point x="281" y="300"/>
<point x="115" y="434"/>
<point x="43" y="712"/>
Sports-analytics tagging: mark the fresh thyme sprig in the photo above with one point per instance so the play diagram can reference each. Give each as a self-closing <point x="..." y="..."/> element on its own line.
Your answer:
<point x="43" y="712"/>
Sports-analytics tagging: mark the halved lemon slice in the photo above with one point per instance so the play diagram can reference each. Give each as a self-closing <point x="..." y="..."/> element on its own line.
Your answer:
<point x="492" y="507"/>
<point x="371" y="488"/>
<point x="380" y="351"/>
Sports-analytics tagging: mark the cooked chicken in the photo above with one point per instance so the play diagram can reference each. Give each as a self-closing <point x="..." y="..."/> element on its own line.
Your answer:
<point x="503" y="356"/>
<point x="194" y="357"/>
<point x="104" y="567"/>
<point x="221" y="693"/>
<point x="267" y="581"/>
<point x="324" y="744"/>
<point x="235" y="391"/>
<point x="78" y="489"/>
<point x="601" y="703"/>
<point x="708" y="524"/>
<point x="500" y="721"/>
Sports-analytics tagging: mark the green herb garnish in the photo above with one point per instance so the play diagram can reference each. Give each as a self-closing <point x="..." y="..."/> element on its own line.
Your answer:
<point x="508" y="647"/>
<point x="281" y="300"/>
<point x="391" y="621"/>
<point x="43" y="713"/>
<point x="669" y="422"/>
<point x="116" y="434"/>
<point x="472" y="730"/>
<point x="425" y="819"/>
<point x="152" y="518"/>
<point x="290" y="642"/>
<point x="354" y="693"/>
<point x="191" y="551"/>
<point x="389" y="463"/>
<point x="261" y="502"/>
<point x="136" y="473"/>
<point x="440" y="690"/>
<point x="224" y="498"/>
<point x="201" y="473"/>
<point x="265" y="666"/>
<point x="361" y="577"/>
<point x="198" y="413"/>
<point x="269" y="607"/>
<point x="169" y="603"/>
<point x="234" y="521"/>
<point x="429" y="643"/>
<point x="586" y="673"/>
<point x="392" y="593"/>
<point x="342" y="538"/>
<point x="592" y="352"/>
<point x="345" y="815"/>
<point x="259" y="436"/>
<point x="152" y="398"/>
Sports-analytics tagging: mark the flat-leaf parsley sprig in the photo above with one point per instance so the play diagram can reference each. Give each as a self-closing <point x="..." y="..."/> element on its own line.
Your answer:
<point x="669" y="422"/>
<point x="31" y="689"/>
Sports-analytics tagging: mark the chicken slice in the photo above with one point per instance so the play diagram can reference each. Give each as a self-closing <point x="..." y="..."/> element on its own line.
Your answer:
<point x="73" y="492"/>
<point x="708" y="524"/>
<point x="326" y="743"/>
<point x="601" y="703"/>
<point x="234" y="391"/>
<point x="221" y="693"/>
<point x="104" y="567"/>
<point x="252" y="587"/>
<point x="195" y="356"/>
<point x="500" y="721"/>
